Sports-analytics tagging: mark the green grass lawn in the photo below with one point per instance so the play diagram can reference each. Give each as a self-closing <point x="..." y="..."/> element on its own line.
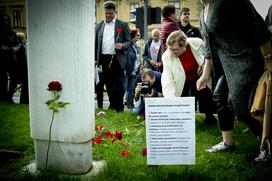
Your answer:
<point x="15" y="135"/>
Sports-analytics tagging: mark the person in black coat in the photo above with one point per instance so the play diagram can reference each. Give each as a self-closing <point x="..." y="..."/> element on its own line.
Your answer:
<point x="22" y="68"/>
<point x="238" y="35"/>
<point x="9" y="45"/>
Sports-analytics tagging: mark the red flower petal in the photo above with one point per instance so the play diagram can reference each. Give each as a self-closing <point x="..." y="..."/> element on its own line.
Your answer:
<point x="119" y="30"/>
<point x="125" y="153"/>
<point x="118" y="135"/>
<point x="99" y="139"/>
<point x="94" y="140"/>
<point x="113" y="140"/>
<point x="108" y="134"/>
<point x="144" y="152"/>
<point x="54" y="86"/>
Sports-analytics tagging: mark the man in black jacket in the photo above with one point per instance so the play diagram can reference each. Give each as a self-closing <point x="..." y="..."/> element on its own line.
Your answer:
<point x="112" y="40"/>
<point x="185" y="25"/>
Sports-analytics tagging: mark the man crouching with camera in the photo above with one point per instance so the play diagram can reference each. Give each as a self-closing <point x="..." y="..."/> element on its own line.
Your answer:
<point x="148" y="84"/>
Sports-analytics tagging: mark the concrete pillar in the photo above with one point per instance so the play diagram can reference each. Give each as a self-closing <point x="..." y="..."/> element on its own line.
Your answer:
<point x="61" y="47"/>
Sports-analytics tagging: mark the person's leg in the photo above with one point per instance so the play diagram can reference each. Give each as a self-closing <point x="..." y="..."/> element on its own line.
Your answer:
<point x="3" y="85"/>
<point x="100" y="91"/>
<point x="139" y="107"/>
<point x="117" y="84"/>
<point x="225" y="117"/>
<point x="13" y="79"/>
<point x="119" y="93"/>
<point x="24" y="97"/>
<point x="108" y="79"/>
<point x="206" y="104"/>
<point x="130" y="91"/>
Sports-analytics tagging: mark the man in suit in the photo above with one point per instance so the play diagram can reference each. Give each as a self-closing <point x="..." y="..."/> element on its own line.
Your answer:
<point x="112" y="40"/>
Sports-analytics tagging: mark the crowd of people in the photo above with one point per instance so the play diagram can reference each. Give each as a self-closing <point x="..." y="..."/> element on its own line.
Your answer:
<point x="13" y="62"/>
<point x="219" y="63"/>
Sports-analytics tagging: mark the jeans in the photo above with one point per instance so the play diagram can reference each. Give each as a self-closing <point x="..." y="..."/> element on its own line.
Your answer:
<point x="129" y="88"/>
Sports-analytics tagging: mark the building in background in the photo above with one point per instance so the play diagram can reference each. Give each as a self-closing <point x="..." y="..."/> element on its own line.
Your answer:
<point x="126" y="7"/>
<point x="16" y="9"/>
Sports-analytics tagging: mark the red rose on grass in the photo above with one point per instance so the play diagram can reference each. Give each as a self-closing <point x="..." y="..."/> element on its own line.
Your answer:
<point x="54" y="86"/>
<point x="118" y="135"/>
<point x="98" y="140"/>
<point x="108" y="134"/>
<point x="119" y="30"/>
<point x="94" y="140"/>
<point x="125" y="153"/>
<point x="144" y="152"/>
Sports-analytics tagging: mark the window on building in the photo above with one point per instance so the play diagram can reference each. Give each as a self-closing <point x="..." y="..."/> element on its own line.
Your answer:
<point x="2" y="9"/>
<point x="133" y="7"/>
<point x="176" y="4"/>
<point x="16" y="18"/>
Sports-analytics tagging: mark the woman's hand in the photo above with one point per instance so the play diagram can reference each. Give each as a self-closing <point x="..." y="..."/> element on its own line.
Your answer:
<point x="202" y="82"/>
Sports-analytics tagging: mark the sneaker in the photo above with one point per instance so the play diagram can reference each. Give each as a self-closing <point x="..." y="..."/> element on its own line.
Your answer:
<point x="263" y="156"/>
<point x="220" y="147"/>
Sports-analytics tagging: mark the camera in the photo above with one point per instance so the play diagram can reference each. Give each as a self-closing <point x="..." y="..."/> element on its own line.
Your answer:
<point x="146" y="87"/>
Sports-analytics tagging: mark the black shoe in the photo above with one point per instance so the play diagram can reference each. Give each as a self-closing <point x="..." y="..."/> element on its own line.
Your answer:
<point x="210" y="120"/>
<point x="119" y="110"/>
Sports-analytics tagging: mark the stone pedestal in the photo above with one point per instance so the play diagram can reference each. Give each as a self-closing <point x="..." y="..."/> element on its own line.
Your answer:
<point x="71" y="158"/>
<point x="61" y="47"/>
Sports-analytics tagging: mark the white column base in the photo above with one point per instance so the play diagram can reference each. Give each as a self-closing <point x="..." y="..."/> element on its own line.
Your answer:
<point x="71" y="158"/>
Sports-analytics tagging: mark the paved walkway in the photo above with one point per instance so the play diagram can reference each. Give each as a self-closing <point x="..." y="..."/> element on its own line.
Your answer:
<point x="106" y="103"/>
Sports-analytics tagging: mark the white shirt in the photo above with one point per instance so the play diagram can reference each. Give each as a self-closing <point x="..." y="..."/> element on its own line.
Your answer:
<point x="154" y="49"/>
<point x="108" y="43"/>
<point x="206" y="11"/>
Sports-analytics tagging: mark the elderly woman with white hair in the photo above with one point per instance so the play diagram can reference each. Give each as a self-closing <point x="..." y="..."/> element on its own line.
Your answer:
<point x="182" y="63"/>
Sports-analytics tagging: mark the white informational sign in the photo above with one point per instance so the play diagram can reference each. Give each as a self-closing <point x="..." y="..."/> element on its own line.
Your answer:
<point x="170" y="130"/>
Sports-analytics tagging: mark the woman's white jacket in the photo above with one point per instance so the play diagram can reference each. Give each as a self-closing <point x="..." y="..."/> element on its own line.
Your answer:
<point x="173" y="75"/>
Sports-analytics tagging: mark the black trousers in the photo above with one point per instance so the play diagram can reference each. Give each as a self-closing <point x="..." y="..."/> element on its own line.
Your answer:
<point x="8" y="68"/>
<point x="225" y="110"/>
<point x="114" y="77"/>
<point x="223" y="104"/>
<point x="99" y="90"/>
<point x="204" y="97"/>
